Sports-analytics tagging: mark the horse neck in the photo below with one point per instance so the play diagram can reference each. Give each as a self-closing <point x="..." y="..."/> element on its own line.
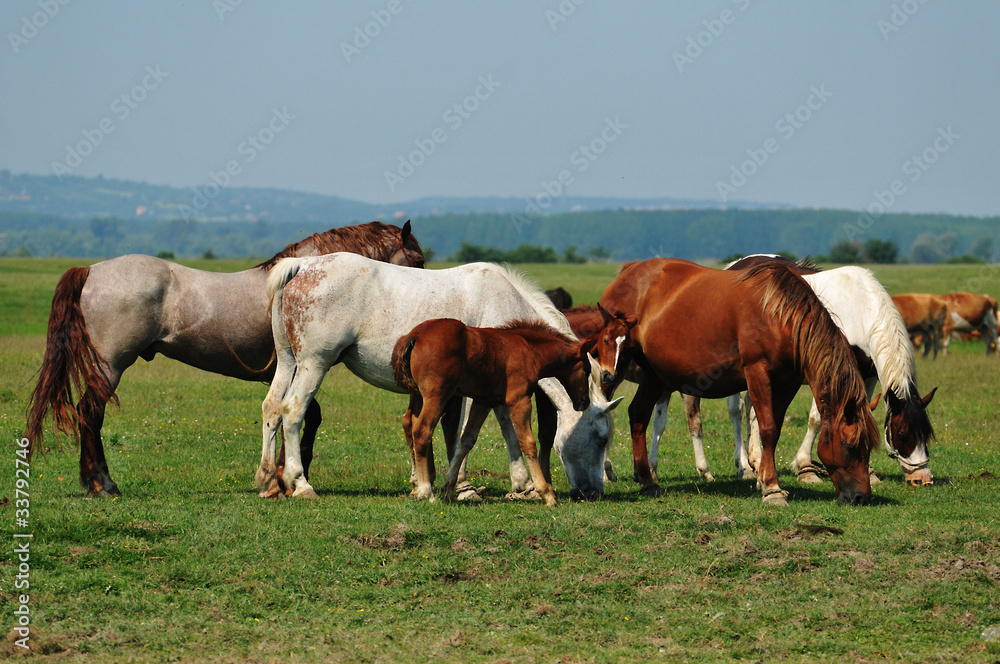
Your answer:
<point x="551" y="356"/>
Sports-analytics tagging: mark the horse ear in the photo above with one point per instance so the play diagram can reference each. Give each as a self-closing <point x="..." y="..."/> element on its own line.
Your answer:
<point x="614" y="404"/>
<point x="927" y="399"/>
<point x="631" y="321"/>
<point x="874" y="403"/>
<point x="406" y="231"/>
<point x="556" y="394"/>
<point x="604" y="313"/>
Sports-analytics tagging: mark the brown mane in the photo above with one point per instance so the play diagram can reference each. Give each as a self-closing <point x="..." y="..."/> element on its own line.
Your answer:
<point x="819" y="343"/>
<point x="373" y="240"/>
<point x="525" y="325"/>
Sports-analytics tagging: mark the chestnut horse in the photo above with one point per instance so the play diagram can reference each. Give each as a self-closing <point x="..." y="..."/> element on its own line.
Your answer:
<point x="443" y="357"/>
<point x="106" y="316"/>
<point x="761" y="329"/>
<point x="923" y="314"/>
<point x="969" y="311"/>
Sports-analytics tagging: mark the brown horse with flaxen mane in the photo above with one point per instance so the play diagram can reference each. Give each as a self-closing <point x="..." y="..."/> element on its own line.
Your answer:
<point x="106" y="316"/>
<point x="712" y="333"/>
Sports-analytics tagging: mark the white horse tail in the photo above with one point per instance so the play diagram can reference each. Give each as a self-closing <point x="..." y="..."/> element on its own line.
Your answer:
<point x="281" y="274"/>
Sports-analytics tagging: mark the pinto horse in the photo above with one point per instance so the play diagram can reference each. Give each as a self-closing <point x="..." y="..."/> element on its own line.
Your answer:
<point x="345" y="308"/>
<point x="923" y="314"/>
<point x="761" y="329"/>
<point x="443" y="357"/>
<point x="106" y="316"/>
<point x="968" y="312"/>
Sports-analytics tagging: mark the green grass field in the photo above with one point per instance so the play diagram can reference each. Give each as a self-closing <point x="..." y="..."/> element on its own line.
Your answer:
<point x="189" y="565"/>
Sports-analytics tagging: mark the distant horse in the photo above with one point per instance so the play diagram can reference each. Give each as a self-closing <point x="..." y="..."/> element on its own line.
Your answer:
<point x="761" y="329"/>
<point x="923" y="314"/>
<point x="106" y="316"/>
<point x="344" y="308"/>
<point x="968" y="312"/>
<point x="443" y="357"/>
<point x="560" y="297"/>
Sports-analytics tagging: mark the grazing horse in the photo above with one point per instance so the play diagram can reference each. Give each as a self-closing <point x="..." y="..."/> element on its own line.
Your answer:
<point x="968" y="312"/>
<point x="106" y="316"/>
<point x="923" y="314"/>
<point x="761" y="329"/>
<point x="443" y="357"/>
<point x="345" y="308"/>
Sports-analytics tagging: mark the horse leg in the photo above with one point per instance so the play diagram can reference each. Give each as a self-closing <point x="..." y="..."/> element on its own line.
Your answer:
<point x="651" y="390"/>
<point x="305" y="383"/>
<point x="520" y="413"/>
<point x="660" y="413"/>
<point x="520" y="481"/>
<point x="95" y="478"/>
<point x="802" y="465"/>
<point x="770" y="407"/>
<point x="477" y="416"/>
<point x="753" y="436"/>
<point x="452" y="425"/>
<point x="692" y="409"/>
<point x="422" y="431"/>
<point x="314" y="417"/>
<point x="547" y="424"/>
<point x="267" y="475"/>
<point x="741" y="459"/>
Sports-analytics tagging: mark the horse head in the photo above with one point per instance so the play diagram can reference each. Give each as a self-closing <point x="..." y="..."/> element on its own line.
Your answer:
<point x="907" y="430"/>
<point x="610" y="342"/>
<point x="408" y="251"/>
<point x="846" y="440"/>
<point x="582" y="437"/>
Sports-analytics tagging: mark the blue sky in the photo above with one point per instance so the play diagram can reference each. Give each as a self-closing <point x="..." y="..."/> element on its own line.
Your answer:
<point x="817" y="104"/>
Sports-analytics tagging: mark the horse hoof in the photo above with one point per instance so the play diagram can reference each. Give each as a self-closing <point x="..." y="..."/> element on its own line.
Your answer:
<point x="651" y="490"/>
<point x="809" y="477"/>
<point x="305" y="492"/>
<point x="776" y="499"/>
<point x="472" y="493"/>
<point x="746" y="474"/>
<point x="272" y="491"/>
<point x="874" y="479"/>
<point x="523" y="495"/>
<point x="708" y="477"/>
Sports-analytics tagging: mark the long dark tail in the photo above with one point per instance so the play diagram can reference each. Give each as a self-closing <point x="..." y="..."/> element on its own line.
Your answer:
<point x="71" y="363"/>
<point x="401" y="363"/>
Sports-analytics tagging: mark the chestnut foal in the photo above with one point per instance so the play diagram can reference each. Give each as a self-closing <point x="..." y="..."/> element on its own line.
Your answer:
<point x="443" y="358"/>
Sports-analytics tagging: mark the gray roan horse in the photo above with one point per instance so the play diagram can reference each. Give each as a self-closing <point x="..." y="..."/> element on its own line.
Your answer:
<point x="106" y="316"/>
<point x="345" y="308"/>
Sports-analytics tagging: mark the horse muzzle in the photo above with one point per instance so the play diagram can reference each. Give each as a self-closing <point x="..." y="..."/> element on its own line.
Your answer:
<point x="589" y="494"/>
<point x="854" y="496"/>
<point x="921" y="477"/>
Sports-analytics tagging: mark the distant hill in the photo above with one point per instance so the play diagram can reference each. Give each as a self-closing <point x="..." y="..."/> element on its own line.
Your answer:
<point x="95" y="217"/>
<point x="79" y="197"/>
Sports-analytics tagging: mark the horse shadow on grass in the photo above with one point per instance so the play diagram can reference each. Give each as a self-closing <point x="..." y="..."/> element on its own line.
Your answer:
<point x="739" y="488"/>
